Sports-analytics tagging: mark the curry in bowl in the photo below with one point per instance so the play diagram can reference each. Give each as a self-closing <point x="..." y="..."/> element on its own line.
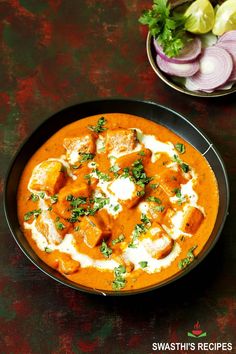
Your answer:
<point x="117" y="202"/>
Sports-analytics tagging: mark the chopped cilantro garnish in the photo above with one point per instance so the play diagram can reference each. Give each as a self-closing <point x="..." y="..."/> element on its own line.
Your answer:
<point x="141" y="153"/>
<point x="154" y="185"/>
<point x="179" y="195"/>
<point x="119" y="239"/>
<point x="183" y="165"/>
<point x="86" y="157"/>
<point x="54" y="198"/>
<point x="99" y="127"/>
<point x="140" y="193"/>
<point x="31" y="213"/>
<point x="139" y="174"/>
<point x="116" y="207"/>
<point x="75" y="167"/>
<point x="190" y="257"/>
<point x="59" y="225"/>
<point x="105" y="250"/>
<point x="143" y="264"/>
<point x="177" y="192"/>
<point x="126" y="172"/>
<point x="76" y="202"/>
<point x="180" y="148"/>
<point x="154" y="199"/>
<point x="115" y="170"/>
<point x="119" y="282"/>
<point x="138" y="230"/>
<point x="48" y="250"/>
<point x="34" y="197"/>
<point x="145" y="219"/>
<point x="159" y="208"/>
<point x="102" y="176"/>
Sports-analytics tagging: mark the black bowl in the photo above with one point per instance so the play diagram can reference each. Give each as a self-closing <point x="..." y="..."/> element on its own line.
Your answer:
<point x="152" y="111"/>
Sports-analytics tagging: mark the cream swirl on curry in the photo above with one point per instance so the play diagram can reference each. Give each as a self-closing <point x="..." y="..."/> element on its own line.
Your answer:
<point x="117" y="202"/>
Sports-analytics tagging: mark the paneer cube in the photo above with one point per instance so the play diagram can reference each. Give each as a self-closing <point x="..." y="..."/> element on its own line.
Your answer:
<point x="170" y="180"/>
<point x="192" y="220"/>
<point x="156" y="212"/>
<point x="120" y="141"/>
<point x="161" y="244"/>
<point x="67" y="265"/>
<point x="76" y="147"/>
<point x="127" y="160"/>
<point x="52" y="227"/>
<point x="48" y="176"/>
<point x="67" y="194"/>
<point x="93" y="230"/>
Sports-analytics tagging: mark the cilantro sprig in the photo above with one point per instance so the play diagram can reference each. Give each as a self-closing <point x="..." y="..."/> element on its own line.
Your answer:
<point x="166" y="26"/>
<point x="99" y="127"/>
<point x="185" y="262"/>
<point x="119" y="281"/>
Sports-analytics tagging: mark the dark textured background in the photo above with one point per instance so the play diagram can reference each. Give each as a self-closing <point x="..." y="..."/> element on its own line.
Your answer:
<point x="57" y="53"/>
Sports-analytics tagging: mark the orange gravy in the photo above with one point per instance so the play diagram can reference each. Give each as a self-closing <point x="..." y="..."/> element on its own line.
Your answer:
<point x="153" y="185"/>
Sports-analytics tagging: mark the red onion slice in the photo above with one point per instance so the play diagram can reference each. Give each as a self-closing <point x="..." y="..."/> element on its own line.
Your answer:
<point x="228" y="36"/>
<point x="189" y="53"/>
<point x="216" y="66"/>
<point x="230" y="46"/>
<point x="182" y="70"/>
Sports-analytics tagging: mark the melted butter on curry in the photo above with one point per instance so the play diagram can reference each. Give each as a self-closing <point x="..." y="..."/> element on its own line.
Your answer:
<point x="117" y="202"/>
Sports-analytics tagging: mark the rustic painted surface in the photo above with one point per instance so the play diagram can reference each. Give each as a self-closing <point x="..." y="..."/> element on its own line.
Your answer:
<point x="56" y="53"/>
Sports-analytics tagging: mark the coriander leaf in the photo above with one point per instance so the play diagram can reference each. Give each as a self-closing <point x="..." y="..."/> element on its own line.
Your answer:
<point x="76" y="202"/>
<point x="102" y="176"/>
<point x="154" y="199"/>
<point x="143" y="264"/>
<point x="119" y="282"/>
<point x="119" y="239"/>
<point x="166" y="26"/>
<point x="154" y="185"/>
<point x="54" y="198"/>
<point x="31" y="213"/>
<point x="141" y="153"/>
<point x="145" y="219"/>
<point x="159" y="208"/>
<point x="99" y="127"/>
<point x="59" y="225"/>
<point x="34" y="197"/>
<point x="184" y="167"/>
<point x="48" y="250"/>
<point x="180" y="148"/>
<point x="105" y="250"/>
<point x="86" y="157"/>
<point x="185" y="262"/>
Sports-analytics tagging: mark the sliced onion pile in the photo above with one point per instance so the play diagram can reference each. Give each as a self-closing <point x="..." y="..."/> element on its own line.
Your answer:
<point x="230" y="47"/>
<point x="205" y="69"/>
<point x="181" y="70"/>
<point x="216" y="66"/>
<point x="228" y="36"/>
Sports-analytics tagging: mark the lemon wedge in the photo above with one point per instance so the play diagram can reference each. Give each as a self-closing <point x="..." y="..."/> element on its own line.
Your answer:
<point x="225" y="19"/>
<point x="200" y="17"/>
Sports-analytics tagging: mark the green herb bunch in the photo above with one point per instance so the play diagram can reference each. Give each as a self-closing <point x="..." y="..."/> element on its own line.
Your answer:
<point x="167" y="26"/>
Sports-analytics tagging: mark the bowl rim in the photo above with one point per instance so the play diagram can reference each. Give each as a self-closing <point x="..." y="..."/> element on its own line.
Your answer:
<point x="164" y="77"/>
<point x="90" y="290"/>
